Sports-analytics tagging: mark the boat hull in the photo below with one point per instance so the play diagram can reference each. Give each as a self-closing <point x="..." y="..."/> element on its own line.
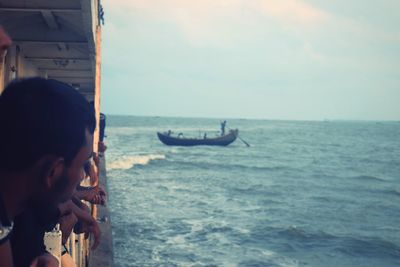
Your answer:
<point x="219" y="141"/>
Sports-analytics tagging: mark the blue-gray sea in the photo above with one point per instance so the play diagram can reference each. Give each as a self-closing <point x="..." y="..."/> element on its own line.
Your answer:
<point x="305" y="193"/>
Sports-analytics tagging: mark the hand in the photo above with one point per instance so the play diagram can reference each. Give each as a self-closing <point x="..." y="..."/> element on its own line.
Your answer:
<point x="65" y="208"/>
<point x="5" y="42"/>
<point x="45" y="260"/>
<point x="88" y="229"/>
<point x="89" y="224"/>
<point x="95" y="195"/>
<point x="101" y="190"/>
<point x="95" y="230"/>
<point x="102" y="194"/>
<point x="67" y="223"/>
<point x="102" y="147"/>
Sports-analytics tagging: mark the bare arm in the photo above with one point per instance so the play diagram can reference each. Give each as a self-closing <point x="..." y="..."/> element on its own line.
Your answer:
<point x="70" y="207"/>
<point x="83" y="216"/>
<point x="45" y="260"/>
<point x="67" y="223"/>
<point x="91" y="224"/>
<point x="6" y="255"/>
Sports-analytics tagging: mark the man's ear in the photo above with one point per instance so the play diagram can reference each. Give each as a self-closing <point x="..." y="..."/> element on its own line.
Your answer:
<point x="52" y="170"/>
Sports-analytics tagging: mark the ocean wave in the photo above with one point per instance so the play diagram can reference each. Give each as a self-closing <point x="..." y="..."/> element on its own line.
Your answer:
<point x="301" y="234"/>
<point x="128" y="162"/>
<point x="394" y="191"/>
<point x="293" y="233"/>
<point x="347" y="244"/>
<point x="368" y="177"/>
<point x="230" y="167"/>
<point x="369" y="246"/>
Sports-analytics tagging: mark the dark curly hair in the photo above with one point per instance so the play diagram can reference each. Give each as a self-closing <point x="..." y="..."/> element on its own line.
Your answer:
<point x="39" y="117"/>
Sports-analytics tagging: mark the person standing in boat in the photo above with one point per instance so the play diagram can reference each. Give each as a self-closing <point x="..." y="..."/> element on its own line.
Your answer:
<point x="223" y="124"/>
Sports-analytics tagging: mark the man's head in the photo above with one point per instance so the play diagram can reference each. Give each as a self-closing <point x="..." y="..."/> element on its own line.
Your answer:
<point x="46" y="130"/>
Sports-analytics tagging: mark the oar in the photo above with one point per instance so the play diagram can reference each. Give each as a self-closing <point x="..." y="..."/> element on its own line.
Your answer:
<point x="247" y="144"/>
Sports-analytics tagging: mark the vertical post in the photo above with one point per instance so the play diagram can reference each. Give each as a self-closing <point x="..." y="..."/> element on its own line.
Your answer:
<point x="96" y="136"/>
<point x="2" y="59"/>
<point x="97" y="88"/>
<point x="18" y="67"/>
<point x="9" y="68"/>
<point x="72" y="246"/>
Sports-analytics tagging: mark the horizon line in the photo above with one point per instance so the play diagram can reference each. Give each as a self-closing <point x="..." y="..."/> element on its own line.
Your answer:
<point x="250" y="118"/>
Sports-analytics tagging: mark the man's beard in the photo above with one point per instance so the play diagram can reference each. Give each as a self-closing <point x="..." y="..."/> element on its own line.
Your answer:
<point x="56" y="195"/>
<point x="45" y="206"/>
<point x="59" y="189"/>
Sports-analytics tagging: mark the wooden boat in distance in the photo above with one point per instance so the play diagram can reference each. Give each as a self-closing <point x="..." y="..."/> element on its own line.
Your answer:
<point x="181" y="141"/>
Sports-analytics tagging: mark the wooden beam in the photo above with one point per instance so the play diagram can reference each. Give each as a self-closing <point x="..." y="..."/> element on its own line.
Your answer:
<point x="28" y="9"/>
<point x="97" y="89"/>
<point x="49" y="19"/>
<point x="34" y="42"/>
<point x="58" y="58"/>
<point x="72" y="77"/>
<point x="58" y="69"/>
<point x="62" y="46"/>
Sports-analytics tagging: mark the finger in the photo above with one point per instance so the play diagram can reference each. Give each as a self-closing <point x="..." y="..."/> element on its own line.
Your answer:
<point x="94" y="200"/>
<point x="103" y="201"/>
<point x="96" y="235"/>
<point x="96" y="241"/>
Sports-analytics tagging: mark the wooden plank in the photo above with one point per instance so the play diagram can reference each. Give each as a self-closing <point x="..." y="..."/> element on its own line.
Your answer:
<point x="50" y="20"/>
<point x="97" y="87"/>
<point x="57" y="58"/>
<point x="45" y="42"/>
<point x="21" y="9"/>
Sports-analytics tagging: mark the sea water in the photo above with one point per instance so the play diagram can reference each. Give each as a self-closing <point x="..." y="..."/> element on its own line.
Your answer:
<point x="305" y="193"/>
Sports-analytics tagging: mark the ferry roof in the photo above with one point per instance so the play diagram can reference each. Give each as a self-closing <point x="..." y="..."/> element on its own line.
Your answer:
<point x="58" y="37"/>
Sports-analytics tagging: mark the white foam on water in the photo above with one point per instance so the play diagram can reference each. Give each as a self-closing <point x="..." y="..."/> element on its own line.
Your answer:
<point x="242" y="230"/>
<point x="155" y="255"/>
<point x="128" y="162"/>
<point x="196" y="225"/>
<point x="279" y="260"/>
<point x="176" y="240"/>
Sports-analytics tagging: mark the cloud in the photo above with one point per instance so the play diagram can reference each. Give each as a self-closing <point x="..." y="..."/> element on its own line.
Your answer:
<point x="320" y="35"/>
<point x="292" y="12"/>
<point x="289" y="10"/>
<point x="273" y="51"/>
<point x="213" y="22"/>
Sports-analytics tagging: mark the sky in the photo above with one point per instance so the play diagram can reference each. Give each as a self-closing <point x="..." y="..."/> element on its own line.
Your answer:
<point x="262" y="59"/>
